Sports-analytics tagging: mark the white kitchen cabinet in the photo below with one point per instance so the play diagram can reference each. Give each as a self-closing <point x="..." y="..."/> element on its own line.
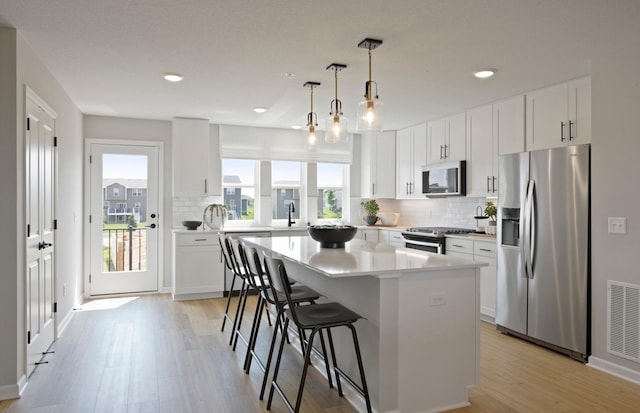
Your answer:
<point x="191" y="153"/>
<point x="559" y="115"/>
<point x="447" y="139"/>
<point x="508" y="125"/>
<point x="483" y="251"/>
<point x="368" y="234"/>
<point x="198" y="268"/>
<point x="411" y="156"/>
<point x="378" y="167"/>
<point x="482" y="160"/>
<point x="391" y="237"/>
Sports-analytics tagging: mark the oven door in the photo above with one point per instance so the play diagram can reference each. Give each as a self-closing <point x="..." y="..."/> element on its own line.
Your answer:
<point x="435" y="247"/>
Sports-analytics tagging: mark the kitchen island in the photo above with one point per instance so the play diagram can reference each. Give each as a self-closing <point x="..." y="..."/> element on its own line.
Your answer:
<point x="420" y="332"/>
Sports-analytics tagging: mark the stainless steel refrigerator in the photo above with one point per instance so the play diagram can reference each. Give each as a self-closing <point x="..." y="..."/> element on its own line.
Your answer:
<point x="544" y="248"/>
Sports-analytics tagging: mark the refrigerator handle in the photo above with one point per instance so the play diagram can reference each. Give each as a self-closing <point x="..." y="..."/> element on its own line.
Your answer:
<point x="530" y="229"/>
<point x="524" y="237"/>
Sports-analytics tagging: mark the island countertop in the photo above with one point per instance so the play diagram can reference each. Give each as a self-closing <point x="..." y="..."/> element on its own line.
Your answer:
<point x="360" y="258"/>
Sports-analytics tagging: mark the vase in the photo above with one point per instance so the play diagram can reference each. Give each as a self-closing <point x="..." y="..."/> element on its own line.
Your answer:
<point x="370" y="220"/>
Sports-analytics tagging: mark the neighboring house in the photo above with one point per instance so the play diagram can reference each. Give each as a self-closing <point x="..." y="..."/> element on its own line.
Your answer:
<point x="234" y="201"/>
<point x="124" y="198"/>
<point x="285" y="193"/>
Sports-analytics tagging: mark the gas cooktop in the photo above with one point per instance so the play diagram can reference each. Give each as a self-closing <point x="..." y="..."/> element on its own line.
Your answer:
<point x="438" y="231"/>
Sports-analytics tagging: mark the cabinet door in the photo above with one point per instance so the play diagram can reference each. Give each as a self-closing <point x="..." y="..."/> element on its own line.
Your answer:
<point x="580" y="111"/>
<point x="190" y="152"/>
<point x="367" y="157"/>
<point x="455" y="144"/>
<point x="419" y="152"/>
<point x="403" y="162"/>
<point x="370" y="235"/>
<point x="480" y="176"/>
<point x="435" y="141"/>
<point x="198" y="270"/>
<point x="547" y="118"/>
<point x="384" y="167"/>
<point x="488" y="285"/>
<point x="384" y="236"/>
<point x="508" y="125"/>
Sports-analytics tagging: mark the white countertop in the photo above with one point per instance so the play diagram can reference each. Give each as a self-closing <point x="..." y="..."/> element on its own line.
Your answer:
<point x="239" y="229"/>
<point x="359" y="258"/>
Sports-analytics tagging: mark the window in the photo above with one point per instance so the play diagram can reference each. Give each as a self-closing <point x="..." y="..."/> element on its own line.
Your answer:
<point x="116" y="192"/>
<point x="330" y="190"/>
<point x="136" y="192"/>
<point x="239" y="183"/>
<point x="122" y="207"/>
<point x="285" y="187"/>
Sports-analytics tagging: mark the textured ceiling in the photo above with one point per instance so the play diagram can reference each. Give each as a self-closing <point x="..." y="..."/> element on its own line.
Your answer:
<point x="109" y="55"/>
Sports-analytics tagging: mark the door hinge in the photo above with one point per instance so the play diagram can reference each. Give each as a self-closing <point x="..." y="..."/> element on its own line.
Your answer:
<point x="90" y="159"/>
<point x="28" y="230"/>
<point x="55" y="307"/>
<point x="28" y="124"/>
<point x="28" y="337"/>
<point x="55" y="141"/>
<point x="89" y="219"/>
<point x="89" y="278"/>
<point x="55" y="224"/>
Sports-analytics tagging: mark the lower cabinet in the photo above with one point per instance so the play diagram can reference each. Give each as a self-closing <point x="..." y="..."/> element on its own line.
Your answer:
<point x="198" y="267"/>
<point x="391" y="237"/>
<point x="483" y="251"/>
<point x="370" y="235"/>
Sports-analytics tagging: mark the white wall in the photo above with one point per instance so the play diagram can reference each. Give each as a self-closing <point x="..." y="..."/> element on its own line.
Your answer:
<point x="615" y="183"/>
<point x="20" y="67"/>
<point x="126" y="129"/>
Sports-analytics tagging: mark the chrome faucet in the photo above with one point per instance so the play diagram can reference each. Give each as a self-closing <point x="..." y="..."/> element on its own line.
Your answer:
<point x="291" y="209"/>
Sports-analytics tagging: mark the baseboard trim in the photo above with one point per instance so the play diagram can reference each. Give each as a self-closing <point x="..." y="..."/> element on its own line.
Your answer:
<point x="10" y="391"/>
<point x="614" y="369"/>
<point x="65" y="322"/>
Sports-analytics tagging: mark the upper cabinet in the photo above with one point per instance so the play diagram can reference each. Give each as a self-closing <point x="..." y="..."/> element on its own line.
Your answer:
<point x="378" y="173"/>
<point x="191" y="158"/>
<point x="482" y="159"/>
<point x="447" y="139"/>
<point x="508" y="125"/>
<point x="411" y="156"/>
<point x="559" y="115"/>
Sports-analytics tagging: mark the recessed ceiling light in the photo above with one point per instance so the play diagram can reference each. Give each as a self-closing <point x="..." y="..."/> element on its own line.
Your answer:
<point x="290" y="75"/>
<point x="259" y="110"/>
<point x="173" y="77"/>
<point x="296" y="127"/>
<point x="485" y="73"/>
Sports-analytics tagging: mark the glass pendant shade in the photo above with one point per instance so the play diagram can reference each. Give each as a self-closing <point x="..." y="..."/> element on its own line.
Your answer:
<point x="370" y="114"/>
<point x="336" y="129"/>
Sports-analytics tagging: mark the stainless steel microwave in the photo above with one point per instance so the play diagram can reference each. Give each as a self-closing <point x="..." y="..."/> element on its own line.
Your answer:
<point x="445" y="179"/>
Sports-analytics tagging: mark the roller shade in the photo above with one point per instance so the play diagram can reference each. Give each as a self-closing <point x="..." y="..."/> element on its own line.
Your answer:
<point x="245" y="142"/>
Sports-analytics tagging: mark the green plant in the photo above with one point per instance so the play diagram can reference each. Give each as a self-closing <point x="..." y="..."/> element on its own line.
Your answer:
<point x="491" y="210"/>
<point x="371" y="207"/>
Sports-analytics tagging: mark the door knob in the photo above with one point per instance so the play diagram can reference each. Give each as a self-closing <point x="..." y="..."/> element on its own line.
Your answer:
<point x="42" y="245"/>
<point x="153" y="215"/>
<point x="151" y="226"/>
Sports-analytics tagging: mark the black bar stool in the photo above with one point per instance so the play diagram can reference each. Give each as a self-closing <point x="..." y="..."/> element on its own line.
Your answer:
<point x="317" y="317"/>
<point x="300" y="294"/>
<point x="229" y="266"/>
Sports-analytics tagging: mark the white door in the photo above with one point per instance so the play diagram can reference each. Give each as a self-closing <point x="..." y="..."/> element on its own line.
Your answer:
<point x="123" y="218"/>
<point x="40" y="156"/>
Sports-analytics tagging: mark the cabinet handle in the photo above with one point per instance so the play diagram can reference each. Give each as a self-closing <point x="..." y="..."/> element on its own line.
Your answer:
<point x="205" y="186"/>
<point x="493" y="184"/>
<point x="410" y="188"/>
<point x="570" y="132"/>
<point x="485" y="250"/>
<point x="456" y="245"/>
<point x="407" y="189"/>
<point x="440" y="151"/>
<point x="445" y="151"/>
<point x="562" y="131"/>
<point x="488" y="190"/>
<point x="200" y="239"/>
<point x="373" y="189"/>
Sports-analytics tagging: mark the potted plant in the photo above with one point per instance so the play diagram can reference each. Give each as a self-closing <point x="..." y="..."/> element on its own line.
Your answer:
<point x="491" y="210"/>
<point x="371" y="208"/>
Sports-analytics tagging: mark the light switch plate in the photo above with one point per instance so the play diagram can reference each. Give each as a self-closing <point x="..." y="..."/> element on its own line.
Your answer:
<point x="617" y="225"/>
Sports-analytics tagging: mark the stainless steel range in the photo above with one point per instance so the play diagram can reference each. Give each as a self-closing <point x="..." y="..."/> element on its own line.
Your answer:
<point x="430" y="239"/>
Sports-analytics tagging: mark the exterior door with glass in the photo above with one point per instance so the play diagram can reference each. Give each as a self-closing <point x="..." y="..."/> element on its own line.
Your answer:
<point x="124" y="231"/>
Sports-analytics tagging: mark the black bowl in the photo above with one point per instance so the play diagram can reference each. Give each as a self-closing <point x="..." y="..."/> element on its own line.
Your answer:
<point x="332" y="236"/>
<point x="192" y="225"/>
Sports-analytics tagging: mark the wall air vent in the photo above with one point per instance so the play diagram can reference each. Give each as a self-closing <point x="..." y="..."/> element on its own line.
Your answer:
<point x="623" y="320"/>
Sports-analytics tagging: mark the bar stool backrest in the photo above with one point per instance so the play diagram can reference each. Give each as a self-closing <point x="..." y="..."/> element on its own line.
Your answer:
<point x="225" y="253"/>
<point x="280" y="281"/>
<point x="233" y="256"/>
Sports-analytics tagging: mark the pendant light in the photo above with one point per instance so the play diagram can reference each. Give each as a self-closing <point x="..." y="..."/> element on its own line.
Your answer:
<point x="336" y="126"/>
<point x="370" y="109"/>
<point x="312" y="118"/>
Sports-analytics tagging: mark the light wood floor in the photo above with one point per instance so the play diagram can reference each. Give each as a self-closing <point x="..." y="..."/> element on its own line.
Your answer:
<point x="151" y="354"/>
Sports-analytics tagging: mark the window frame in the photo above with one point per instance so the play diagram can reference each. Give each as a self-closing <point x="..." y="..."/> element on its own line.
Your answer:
<point x="301" y="203"/>
<point x="256" y="190"/>
<point x="344" y="189"/>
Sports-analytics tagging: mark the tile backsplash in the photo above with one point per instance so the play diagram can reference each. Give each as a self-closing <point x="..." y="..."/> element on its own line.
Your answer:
<point x="186" y="208"/>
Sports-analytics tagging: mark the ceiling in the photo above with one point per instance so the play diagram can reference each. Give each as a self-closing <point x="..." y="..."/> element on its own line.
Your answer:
<point x="109" y="55"/>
